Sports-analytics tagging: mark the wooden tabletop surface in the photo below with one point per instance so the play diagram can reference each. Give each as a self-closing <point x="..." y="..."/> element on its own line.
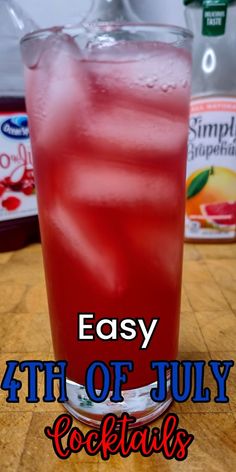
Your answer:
<point x="208" y="331"/>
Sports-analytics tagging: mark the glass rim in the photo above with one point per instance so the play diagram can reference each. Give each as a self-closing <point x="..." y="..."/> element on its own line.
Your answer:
<point x="106" y="27"/>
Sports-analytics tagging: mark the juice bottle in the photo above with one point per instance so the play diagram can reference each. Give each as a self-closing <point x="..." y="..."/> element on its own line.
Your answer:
<point x="211" y="170"/>
<point x="18" y="208"/>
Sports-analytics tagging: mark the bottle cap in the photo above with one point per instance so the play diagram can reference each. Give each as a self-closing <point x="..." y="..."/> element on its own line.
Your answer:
<point x="214" y="16"/>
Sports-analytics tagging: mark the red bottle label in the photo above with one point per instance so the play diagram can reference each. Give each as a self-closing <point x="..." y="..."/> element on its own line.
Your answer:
<point x="17" y="187"/>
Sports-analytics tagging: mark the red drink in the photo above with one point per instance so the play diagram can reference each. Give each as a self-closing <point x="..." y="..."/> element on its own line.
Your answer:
<point x="110" y="146"/>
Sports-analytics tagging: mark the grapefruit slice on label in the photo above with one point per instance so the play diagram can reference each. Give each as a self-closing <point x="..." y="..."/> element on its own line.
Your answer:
<point x="220" y="213"/>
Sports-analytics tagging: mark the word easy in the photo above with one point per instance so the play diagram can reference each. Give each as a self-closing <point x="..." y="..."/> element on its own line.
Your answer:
<point x="110" y="329"/>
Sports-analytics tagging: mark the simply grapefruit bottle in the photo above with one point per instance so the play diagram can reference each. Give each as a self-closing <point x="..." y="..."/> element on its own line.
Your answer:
<point x="18" y="207"/>
<point x="211" y="170"/>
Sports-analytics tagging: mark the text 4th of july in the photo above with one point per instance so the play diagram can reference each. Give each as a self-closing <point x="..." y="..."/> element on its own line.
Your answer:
<point x="187" y="380"/>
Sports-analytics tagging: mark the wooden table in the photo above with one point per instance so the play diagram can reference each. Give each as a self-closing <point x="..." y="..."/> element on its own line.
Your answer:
<point x="208" y="331"/>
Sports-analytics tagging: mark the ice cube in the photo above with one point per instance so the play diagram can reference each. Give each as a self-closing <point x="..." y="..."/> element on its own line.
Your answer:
<point x="130" y="116"/>
<point x="132" y="133"/>
<point x="149" y="75"/>
<point x="109" y="184"/>
<point x="92" y="243"/>
<point x="57" y="92"/>
<point x="31" y="51"/>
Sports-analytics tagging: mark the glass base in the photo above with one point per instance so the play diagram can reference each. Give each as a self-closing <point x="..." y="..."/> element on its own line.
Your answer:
<point x="137" y="403"/>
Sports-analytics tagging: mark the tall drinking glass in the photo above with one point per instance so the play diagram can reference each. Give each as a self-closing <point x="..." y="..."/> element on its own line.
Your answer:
<point x="108" y="110"/>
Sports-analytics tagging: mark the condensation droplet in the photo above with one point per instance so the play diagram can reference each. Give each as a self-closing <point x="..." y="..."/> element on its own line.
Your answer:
<point x="184" y="83"/>
<point x="165" y="88"/>
<point x="150" y="83"/>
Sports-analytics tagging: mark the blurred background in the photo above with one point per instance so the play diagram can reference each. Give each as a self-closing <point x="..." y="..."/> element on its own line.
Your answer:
<point x="51" y="12"/>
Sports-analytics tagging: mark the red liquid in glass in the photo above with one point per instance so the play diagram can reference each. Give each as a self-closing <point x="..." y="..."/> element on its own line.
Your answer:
<point x="111" y="209"/>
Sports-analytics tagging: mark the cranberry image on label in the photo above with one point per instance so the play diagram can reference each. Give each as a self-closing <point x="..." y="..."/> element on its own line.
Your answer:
<point x="11" y="203"/>
<point x="2" y="189"/>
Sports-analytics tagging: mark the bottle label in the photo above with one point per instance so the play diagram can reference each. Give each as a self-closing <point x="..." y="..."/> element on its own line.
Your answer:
<point x="17" y="187"/>
<point x="214" y="17"/>
<point x="211" y="169"/>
